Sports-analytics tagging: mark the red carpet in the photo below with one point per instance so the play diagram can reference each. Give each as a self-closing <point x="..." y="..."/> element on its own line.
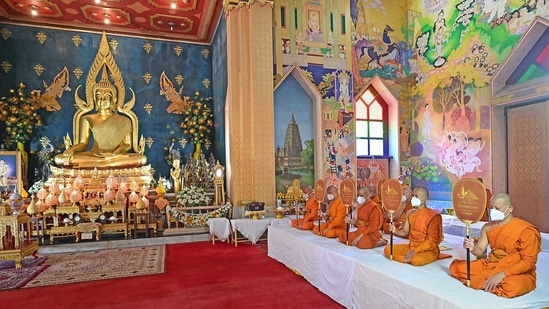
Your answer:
<point x="197" y="275"/>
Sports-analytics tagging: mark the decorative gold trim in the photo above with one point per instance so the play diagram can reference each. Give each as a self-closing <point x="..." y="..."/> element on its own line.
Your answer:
<point x="229" y="5"/>
<point x="148" y="108"/>
<point x="178" y="49"/>
<point x="147" y="47"/>
<point x="77" y="40"/>
<point x="6" y="65"/>
<point x="39" y="69"/>
<point x="179" y="79"/>
<point x="147" y="77"/>
<point x="78" y="72"/>
<point x="41" y="37"/>
<point x="6" y="33"/>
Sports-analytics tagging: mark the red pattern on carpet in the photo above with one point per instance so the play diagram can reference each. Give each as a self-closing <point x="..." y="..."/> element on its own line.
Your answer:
<point x="197" y="275"/>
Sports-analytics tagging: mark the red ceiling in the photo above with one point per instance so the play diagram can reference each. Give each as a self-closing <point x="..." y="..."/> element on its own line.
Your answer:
<point x="192" y="20"/>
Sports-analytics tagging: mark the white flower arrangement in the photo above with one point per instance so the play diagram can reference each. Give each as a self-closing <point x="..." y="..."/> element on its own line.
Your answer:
<point x="192" y="196"/>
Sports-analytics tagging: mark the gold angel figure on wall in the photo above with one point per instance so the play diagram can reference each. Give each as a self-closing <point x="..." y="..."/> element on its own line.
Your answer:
<point x="178" y="104"/>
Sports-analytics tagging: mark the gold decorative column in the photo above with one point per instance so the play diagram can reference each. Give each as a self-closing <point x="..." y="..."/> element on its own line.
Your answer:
<point x="250" y="102"/>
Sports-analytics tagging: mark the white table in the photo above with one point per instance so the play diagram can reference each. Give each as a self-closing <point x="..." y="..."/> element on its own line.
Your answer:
<point x="220" y="228"/>
<point x="250" y="229"/>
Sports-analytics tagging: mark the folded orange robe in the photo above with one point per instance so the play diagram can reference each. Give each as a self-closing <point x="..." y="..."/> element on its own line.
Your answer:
<point x="514" y="250"/>
<point x="425" y="236"/>
<point x="369" y="219"/>
<point x="336" y="220"/>
<point x="310" y="216"/>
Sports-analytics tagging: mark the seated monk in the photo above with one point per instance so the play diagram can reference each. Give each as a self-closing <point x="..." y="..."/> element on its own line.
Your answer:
<point x="111" y="132"/>
<point x="510" y="268"/>
<point x="373" y="194"/>
<point x="335" y="215"/>
<point x="423" y="227"/>
<point x="368" y="221"/>
<point x="310" y="215"/>
<point x="400" y="216"/>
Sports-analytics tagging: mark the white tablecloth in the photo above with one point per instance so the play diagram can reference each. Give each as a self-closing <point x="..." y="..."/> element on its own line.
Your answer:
<point x="452" y="225"/>
<point x="358" y="278"/>
<point x="220" y="227"/>
<point x="251" y="229"/>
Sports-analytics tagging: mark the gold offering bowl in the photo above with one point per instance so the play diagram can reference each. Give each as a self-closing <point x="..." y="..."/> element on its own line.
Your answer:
<point x="450" y="211"/>
<point x="279" y="212"/>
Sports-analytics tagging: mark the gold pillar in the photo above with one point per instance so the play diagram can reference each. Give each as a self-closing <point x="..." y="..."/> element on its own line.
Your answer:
<point x="250" y="102"/>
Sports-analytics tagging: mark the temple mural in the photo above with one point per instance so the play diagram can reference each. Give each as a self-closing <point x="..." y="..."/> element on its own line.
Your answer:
<point x="458" y="46"/>
<point x="436" y="57"/>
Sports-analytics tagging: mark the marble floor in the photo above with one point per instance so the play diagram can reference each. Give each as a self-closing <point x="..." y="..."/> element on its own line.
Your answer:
<point x="170" y="236"/>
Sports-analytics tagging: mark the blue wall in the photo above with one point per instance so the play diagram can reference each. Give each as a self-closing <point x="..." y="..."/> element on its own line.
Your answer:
<point x="23" y="51"/>
<point x="219" y="88"/>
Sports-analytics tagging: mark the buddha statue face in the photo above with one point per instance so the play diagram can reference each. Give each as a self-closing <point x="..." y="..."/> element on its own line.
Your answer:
<point x="105" y="99"/>
<point x="104" y="94"/>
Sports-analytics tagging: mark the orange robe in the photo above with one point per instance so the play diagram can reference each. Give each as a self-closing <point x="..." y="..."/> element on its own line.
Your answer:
<point x="398" y="222"/>
<point x="369" y="220"/>
<point x="425" y="236"/>
<point x="376" y="200"/>
<point x="487" y="210"/>
<point x="514" y="250"/>
<point x="336" y="220"/>
<point x="310" y="216"/>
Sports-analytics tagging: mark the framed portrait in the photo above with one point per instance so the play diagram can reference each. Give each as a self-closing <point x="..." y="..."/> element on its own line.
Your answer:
<point x="10" y="171"/>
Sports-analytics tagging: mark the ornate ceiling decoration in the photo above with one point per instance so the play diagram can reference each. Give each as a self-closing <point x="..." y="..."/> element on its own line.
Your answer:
<point x="193" y="21"/>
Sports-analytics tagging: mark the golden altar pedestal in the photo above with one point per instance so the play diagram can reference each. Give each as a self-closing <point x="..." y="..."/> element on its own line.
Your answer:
<point x="16" y="239"/>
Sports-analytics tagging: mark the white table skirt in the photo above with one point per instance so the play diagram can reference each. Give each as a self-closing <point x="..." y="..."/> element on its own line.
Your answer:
<point x="251" y="229"/>
<point x="358" y="278"/>
<point x="220" y="227"/>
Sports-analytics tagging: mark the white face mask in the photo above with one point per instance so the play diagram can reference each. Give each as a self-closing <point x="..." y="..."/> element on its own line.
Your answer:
<point x="360" y="200"/>
<point x="415" y="201"/>
<point x="404" y="198"/>
<point x="330" y="197"/>
<point x="497" y="215"/>
<point x="305" y="195"/>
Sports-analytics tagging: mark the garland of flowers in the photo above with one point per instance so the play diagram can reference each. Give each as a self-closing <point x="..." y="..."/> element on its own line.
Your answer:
<point x="198" y="121"/>
<point x="194" y="220"/>
<point x="192" y="196"/>
<point x="19" y="115"/>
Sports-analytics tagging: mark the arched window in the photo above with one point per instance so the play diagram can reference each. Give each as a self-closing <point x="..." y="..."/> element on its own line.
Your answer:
<point x="372" y="123"/>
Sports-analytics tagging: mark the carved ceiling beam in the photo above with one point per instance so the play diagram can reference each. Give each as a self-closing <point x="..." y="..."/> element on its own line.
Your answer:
<point x="229" y="5"/>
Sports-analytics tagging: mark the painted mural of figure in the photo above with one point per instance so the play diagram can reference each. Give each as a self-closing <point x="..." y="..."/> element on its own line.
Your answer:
<point x="439" y="30"/>
<point x="404" y="136"/>
<point x="313" y="26"/>
<point x="330" y="45"/>
<point x="496" y="8"/>
<point x="458" y="153"/>
<point x="299" y="46"/>
<point x="4" y="169"/>
<point x="427" y="125"/>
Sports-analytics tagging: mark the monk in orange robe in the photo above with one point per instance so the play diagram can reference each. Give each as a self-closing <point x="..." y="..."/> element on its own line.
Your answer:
<point x="335" y="216"/>
<point x="310" y="215"/>
<point x="400" y="216"/>
<point x="485" y="215"/>
<point x="373" y="194"/>
<point x="423" y="227"/>
<point x="510" y="268"/>
<point x="368" y="221"/>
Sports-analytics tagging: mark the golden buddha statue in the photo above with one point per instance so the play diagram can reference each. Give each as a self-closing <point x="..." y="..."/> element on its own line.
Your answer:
<point x="111" y="132"/>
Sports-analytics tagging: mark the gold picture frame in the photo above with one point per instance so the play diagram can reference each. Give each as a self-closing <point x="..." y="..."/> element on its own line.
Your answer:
<point x="10" y="171"/>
